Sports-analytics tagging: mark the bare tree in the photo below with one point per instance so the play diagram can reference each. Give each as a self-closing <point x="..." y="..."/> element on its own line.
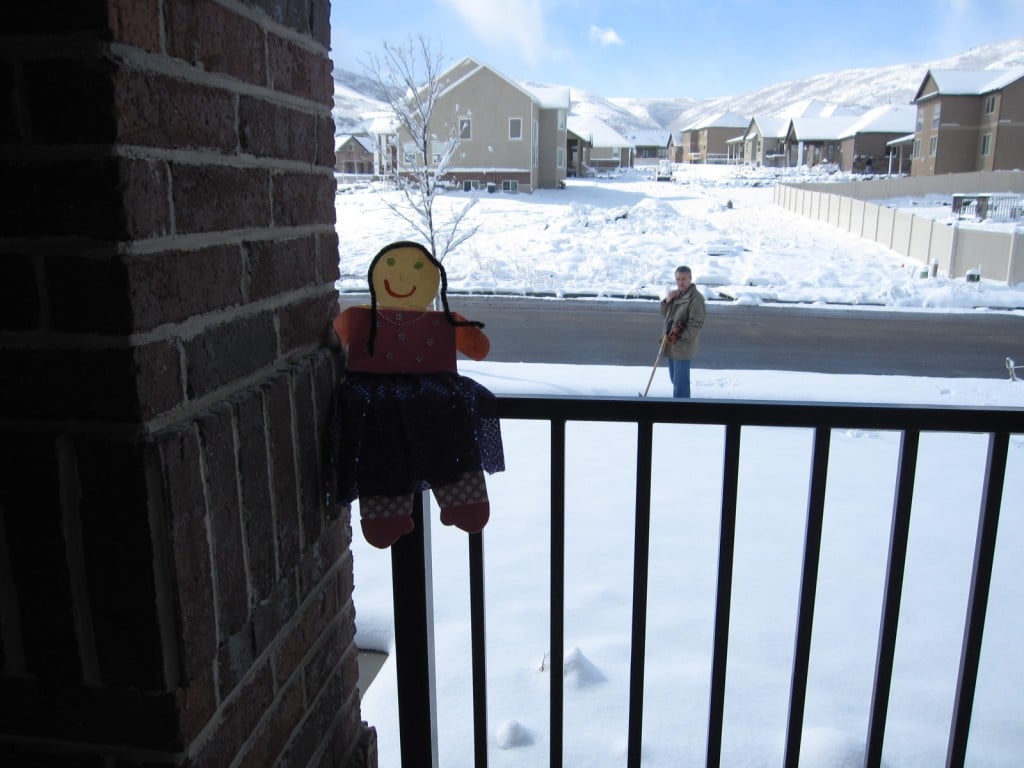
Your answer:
<point x="408" y="77"/>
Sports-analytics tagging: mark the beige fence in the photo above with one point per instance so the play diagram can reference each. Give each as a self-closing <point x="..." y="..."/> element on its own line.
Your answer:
<point x="999" y="255"/>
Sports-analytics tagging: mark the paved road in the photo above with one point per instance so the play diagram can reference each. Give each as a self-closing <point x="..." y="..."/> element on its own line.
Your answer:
<point x="766" y="337"/>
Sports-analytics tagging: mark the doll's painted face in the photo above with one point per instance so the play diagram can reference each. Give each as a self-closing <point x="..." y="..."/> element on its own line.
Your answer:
<point x="404" y="278"/>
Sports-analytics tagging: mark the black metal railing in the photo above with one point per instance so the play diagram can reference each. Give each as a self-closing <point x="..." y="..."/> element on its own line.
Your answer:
<point x="411" y="557"/>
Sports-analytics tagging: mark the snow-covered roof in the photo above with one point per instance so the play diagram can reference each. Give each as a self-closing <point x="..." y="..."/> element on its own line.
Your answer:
<point x="772" y="127"/>
<point x="382" y="125"/>
<point x="653" y="137"/>
<point x="720" y="120"/>
<point x="822" y="128"/>
<point x="364" y="141"/>
<point x="970" y="82"/>
<point x="890" y="118"/>
<point x="818" y="108"/>
<point x="548" y="96"/>
<point x="908" y="139"/>
<point x="596" y="131"/>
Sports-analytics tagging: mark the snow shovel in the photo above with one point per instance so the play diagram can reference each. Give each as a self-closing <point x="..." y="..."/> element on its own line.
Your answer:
<point x="661" y="351"/>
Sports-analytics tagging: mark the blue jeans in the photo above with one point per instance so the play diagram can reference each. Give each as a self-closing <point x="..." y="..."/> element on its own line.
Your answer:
<point x="679" y="374"/>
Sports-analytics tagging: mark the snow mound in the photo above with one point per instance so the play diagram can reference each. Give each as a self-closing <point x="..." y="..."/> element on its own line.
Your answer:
<point x="512" y="734"/>
<point x="579" y="671"/>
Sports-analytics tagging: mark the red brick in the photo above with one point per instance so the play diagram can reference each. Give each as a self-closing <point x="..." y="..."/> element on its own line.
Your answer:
<point x="257" y="511"/>
<point x="185" y="506"/>
<point x="135" y="22"/>
<point x="158" y="378"/>
<point x="229" y="351"/>
<point x="322" y="717"/>
<point x="307" y="322"/>
<point x="272" y="614"/>
<point x="282" y="465"/>
<point x="324" y="662"/>
<point x="210" y="198"/>
<point x="277" y="729"/>
<point x="303" y="199"/>
<point x="147" y="204"/>
<point x="172" y="286"/>
<point x="196" y="704"/>
<point x="329" y="259"/>
<point x="209" y="36"/>
<point x="266" y="129"/>
<point x="277" y="266"/>
<point x="156" y="110"/>
<point x="216" y="436"/>
<point x="311" y="489"/>
<point x="239" y="717"/>
<point x="299" y="71"/>
<point x="316" y="615"/>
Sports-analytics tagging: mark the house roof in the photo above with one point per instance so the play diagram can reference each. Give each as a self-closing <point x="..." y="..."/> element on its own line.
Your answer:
<point x="720" y="120"/>
<point x="364" y="141"/>
<point x="546" y="96"/>
<point x="821" y="128"/>
<point x="653" y="137"/>
<point x="818" y="108"/>
<point x="772" y="127"/>
<point x="968" y="82"/>
<point x="890" y="118"/>
<point x="596" y="131"/>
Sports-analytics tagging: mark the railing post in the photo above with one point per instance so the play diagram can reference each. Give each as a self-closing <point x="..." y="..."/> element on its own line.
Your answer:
<point x="413" y="590"/>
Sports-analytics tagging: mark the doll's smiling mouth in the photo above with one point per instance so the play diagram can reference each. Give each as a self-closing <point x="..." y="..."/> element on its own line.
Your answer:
<point x="387" y="287"/>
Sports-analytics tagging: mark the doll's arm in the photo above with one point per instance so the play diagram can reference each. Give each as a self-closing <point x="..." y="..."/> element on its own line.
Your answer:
<point x="470" y="340"/>
<point x="342" y="327"/>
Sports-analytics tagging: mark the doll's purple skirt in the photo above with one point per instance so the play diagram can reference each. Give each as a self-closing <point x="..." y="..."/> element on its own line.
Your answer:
<point x="395" y="434"/>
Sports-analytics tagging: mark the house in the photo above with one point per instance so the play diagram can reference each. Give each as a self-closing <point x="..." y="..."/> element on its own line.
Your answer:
<point x="354" y="154"/>
<point x="595" y="145"/>
<point x="815" y="141"/>
<point x="764" y="141"/>
<point x="864" y="145"/>
<point x="650" y="146"/>
<point x="706" y="141"/>
<point x="511" y="135"/>
<point x="969" y="120"/>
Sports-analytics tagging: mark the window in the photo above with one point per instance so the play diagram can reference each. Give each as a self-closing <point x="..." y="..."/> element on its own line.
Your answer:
<point x="465" y="128"/>
<point x="917" y="148"/>
<point x="935" y="116"/>
<point x="561" y="119"/>
<point x="409" y="154"/>
<point x="990" y="104"/>
<point x="509" y="185"/>
<point x="470" y="185"/>
<point x="933" y="145"/>
<point x="438" y="151"/>
<point x="560" y="157"/>
<point x="920" y="120"/>
<point x="986" y="144"/>
<point x="515" y="128"/>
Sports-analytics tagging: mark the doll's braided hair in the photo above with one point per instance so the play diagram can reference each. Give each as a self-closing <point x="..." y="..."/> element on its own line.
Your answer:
<point x="444" y="288"/>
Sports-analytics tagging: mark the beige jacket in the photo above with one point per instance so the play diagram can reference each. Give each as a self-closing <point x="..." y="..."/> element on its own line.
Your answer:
<point x="686" y="311"/>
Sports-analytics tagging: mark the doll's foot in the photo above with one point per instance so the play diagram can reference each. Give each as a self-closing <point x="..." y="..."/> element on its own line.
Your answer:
<point x="469" y="517"/>
<point x="382" y="532"/>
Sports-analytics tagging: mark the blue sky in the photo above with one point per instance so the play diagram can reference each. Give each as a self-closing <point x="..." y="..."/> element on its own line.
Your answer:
<point x="673" y="48"/>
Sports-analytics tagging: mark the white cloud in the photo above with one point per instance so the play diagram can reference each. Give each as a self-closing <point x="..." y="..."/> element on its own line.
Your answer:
<point x="604" y="36"/>
<point x="509" y="23"/>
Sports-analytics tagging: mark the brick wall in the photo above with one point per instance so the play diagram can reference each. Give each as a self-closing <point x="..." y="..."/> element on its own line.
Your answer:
<point x="175" y="586"/>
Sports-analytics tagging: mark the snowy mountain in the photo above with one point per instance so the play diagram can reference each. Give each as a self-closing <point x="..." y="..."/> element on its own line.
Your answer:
<point x="861" y="89"/>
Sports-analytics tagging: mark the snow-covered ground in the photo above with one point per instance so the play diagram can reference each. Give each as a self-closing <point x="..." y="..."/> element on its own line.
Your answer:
<point x="624" y="236"/>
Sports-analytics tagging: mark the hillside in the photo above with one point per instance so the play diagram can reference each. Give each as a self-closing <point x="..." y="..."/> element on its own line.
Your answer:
<point x="354" y="104"/>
